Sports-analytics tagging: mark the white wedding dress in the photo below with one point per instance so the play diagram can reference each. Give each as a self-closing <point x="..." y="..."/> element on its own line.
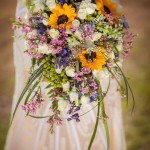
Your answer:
<point x="33" y="134"/>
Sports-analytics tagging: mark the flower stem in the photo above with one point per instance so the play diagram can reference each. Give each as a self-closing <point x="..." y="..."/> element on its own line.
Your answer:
<point x="96" y="124"/>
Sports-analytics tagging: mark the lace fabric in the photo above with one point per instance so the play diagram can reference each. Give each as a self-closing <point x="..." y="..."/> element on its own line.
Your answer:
<point x="33" y="134"/>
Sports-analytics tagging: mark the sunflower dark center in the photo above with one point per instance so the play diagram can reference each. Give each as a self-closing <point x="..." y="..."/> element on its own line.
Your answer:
<point x="62" y="19"/>
<point x="107" y="10"/>
<point x="91" y="56"/>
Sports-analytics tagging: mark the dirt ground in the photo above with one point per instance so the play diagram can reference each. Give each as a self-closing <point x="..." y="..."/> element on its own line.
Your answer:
<point x="137" y="125"/>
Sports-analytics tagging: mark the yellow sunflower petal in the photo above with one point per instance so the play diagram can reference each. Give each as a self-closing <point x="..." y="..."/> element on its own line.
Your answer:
<point x="59" y="11"/>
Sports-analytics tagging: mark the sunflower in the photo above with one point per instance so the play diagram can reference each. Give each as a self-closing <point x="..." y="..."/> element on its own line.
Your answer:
<point x="107" y="7"/>
<point x="93" y="60"/>
<point x="62" y="16"/>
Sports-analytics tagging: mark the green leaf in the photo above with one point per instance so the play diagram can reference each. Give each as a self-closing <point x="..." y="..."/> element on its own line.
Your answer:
<point x="50" y="92"/>
<point x="31" y="80"/>
<point x="29" y="94"/>
<point x="95" y="128"/>
<point x="39" y="117"/>
<point x="33" y="60"/>
<point x="48" y="86"/>
<point x="132" y="96"/>
<point x="128" y="86"/>
<point x="107" y="133"/>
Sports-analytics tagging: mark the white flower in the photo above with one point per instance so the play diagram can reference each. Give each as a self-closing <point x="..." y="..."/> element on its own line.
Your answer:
<point x="101" y="74"/>
<point x="54" y="33"/>
<point x="86" y="8"/>
<point x="43" y="48"/>
<point x="70" y="71"/>
<point x="51" y="4"/>
<point x="45" y="22"/>
<point x="72" y="42"/>
<point x="119" y="46"/>
<point x="62" y="104"/>
<point x="58" y="70"/>
<point x="111" y="56"/>
<point x="32" y="33"/>
<point x="97" y="36"/>
<point x="45" y="19"/>
<point x="76" y="23"/>
<point x="66" y="86"/>
<point x="38" y="5"/>
<point x="73" y="96"/>
<point x="82" y="14"/>
<point x="85" y="100"/>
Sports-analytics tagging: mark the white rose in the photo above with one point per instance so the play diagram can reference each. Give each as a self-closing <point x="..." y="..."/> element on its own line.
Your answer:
<point x="66" y="86"/>
<point x="54" y="33"/>
<point x="62" y="104"/>
<point x="76" y="23"/>
<point x="101" y="74"/>
<point x="91" y="8"/>
<point x="85" y="100"/>
<point x="43" y="48"/>
<point x="119" y="46"/>
<point x="82" y="14"/>
<point x="45" y="22"/>
<point x="73" y="96"/>
<point x="86" y="8"/>
<point x="58" y="70"/>
<point x="51" y="4"/>
<point x="46" y="19"/>
<point x="38" y="5"/>
<point x="70" y="71"/>
<point x="97" y="36"/>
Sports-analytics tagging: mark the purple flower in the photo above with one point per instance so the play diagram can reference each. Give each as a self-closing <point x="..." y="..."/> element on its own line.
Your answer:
<point x="41" y="30"/>
<point x="76" y="117"/>
<point x="93" y="97"/>
<point x="38" y="20"/>
<point x="63" y="58"/>
<point x="62" y="62"/>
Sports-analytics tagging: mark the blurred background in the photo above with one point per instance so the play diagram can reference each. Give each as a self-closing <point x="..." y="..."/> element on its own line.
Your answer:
<point x="137" y="125"/>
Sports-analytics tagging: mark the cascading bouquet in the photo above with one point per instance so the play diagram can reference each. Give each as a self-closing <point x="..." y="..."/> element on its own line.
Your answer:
<point x="73" y="44"/>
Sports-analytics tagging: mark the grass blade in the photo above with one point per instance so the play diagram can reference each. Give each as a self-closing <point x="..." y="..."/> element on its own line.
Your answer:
<point x="128" y="86"/>
<point x="96" y="125"/>
<point x="39" y="117"/>
<point x="38" y="72"/>
<point x="107" y="133"/>
<point x="29" y="94"/>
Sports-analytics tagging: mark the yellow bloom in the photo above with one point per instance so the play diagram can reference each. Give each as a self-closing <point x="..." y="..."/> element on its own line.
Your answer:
<point x="62" y="16"/>
<point x="107" y="7"/>
<point x="93" y="60"/>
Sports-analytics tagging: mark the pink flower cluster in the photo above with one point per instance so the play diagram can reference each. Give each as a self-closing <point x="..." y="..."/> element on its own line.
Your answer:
<point x="32" y="106"/>
<point x="56" y="45"/>
<point x="94" y="85"/>
<point x="128" y="41"/>
<point x="79" y="76"/>
<point x="54" y="120"/>
<point x="85" y="90"/>
<point x="87" y="33"/>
